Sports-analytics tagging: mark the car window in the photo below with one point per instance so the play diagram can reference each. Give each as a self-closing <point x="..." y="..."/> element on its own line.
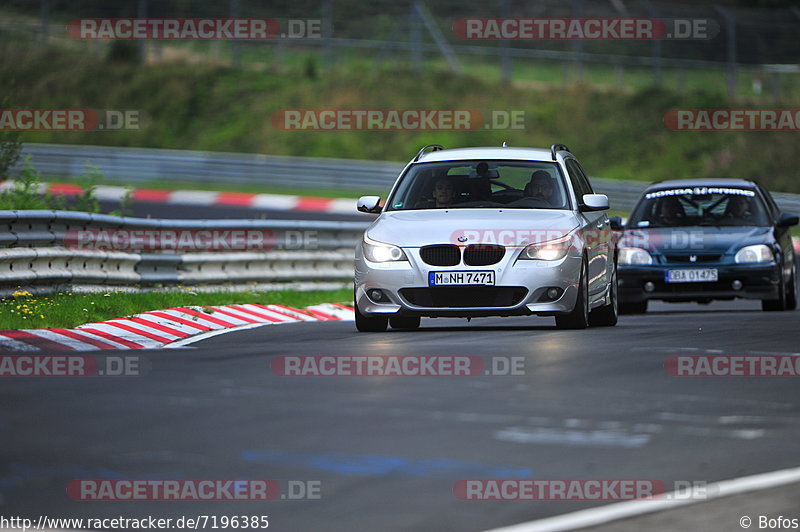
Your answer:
<point x="579" y="182"/>
<point x="773" y="207"/>
<point x="584" y="178"/>
<point x="481" y="184"/>
<point x="682" y="207"/>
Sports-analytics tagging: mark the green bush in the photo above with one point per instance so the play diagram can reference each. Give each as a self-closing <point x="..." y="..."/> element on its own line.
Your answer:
<point x="27" y="193"/>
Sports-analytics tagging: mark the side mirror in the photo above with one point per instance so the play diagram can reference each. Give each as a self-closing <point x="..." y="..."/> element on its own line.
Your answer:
<point x="369" y="204"/>
<point x="594" y="202"/>
<point x="788" y="220"/>
<point x="616" y="223"/>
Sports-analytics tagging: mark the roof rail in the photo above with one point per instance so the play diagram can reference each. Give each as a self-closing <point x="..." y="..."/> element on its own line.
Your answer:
<point x="556" y="147"/>
<point x="436" y="147"/>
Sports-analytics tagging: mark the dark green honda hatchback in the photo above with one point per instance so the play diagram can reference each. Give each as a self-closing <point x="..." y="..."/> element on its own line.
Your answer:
<point x="703" y="240"/>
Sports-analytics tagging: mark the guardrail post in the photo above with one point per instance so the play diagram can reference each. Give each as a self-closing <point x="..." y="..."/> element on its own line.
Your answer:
<point x="577" y="12"/>
<point x="505" y="55"/>
<point x="416" y="39"/>
<point x="141" y="12"/>
<point x="45" y="31"/>
<point x="235" y="46"/>
<point x="327" y="34"/>
<point x="730" y="26"/>
<point x="656" y="47"/>
<point x="776" y="86"/>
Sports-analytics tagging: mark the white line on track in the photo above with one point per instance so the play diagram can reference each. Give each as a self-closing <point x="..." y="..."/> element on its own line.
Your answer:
<point x="624" y="510"/>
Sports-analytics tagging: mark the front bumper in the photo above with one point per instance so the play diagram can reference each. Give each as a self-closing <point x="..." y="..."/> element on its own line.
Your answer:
<point x="758" y="282"/>
<point x="520" y="287"/>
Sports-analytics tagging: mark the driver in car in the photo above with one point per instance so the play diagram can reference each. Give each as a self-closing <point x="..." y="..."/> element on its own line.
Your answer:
<point x="443" y="193"/>
<point x="670" y="212"/>
<point x="540" y="186"/>
<point x="738" y="208"/>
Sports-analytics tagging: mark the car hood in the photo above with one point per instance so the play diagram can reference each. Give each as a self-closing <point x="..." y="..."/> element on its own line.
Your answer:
<point x="703" y="239"/>
<point x="508" y="227"/>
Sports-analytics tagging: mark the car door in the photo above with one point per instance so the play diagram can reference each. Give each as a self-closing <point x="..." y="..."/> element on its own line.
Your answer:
<point x="596" y="230"/>
<point x="783" y="235"/>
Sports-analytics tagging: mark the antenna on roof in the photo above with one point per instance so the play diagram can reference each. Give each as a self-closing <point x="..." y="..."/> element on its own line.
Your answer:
<point x="505" y="145"/>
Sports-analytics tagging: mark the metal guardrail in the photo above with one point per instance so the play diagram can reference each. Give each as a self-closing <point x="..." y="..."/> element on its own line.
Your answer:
<point x="34" y="252"/>
<point x="37" y="228"/>
<point x="140" y="165"/>
<point x="31" y="266"/>
<point x="38" y="248"/>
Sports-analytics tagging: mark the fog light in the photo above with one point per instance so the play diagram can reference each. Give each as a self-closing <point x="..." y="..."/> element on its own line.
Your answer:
<point x="736" y="285"/>
<point x="376" y="295"/>
<point x="649" y="286"/>
<point x="553" y="293"/>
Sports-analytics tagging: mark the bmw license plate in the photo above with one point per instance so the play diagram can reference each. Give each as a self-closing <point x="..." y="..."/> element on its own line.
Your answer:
<point x="460" y="278"/>
<point x="700" y="275"/>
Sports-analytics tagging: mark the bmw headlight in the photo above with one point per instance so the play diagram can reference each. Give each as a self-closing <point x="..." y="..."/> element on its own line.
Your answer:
<point x="551" y="250"/>
<point x="756" y="253"/>
<point x="380" y="252"/>
<point x="635" y="256"/>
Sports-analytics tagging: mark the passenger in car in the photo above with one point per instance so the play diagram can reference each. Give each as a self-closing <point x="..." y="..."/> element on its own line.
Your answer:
<point x="738" y="208"/>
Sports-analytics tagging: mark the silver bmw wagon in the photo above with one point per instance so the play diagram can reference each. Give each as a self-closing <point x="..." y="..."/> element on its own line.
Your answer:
<point x="495" y="231"/>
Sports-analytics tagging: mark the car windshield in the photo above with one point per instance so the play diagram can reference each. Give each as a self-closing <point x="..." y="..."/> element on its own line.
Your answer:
<point x="682" y="207"/>
<point x="481" y="184"/>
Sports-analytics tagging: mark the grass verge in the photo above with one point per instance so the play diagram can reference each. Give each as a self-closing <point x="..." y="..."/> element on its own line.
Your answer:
<point x="69" y="310"/>
<point x="616" y="134"/>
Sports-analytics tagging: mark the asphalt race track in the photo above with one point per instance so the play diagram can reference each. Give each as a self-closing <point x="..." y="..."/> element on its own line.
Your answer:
<point x="387" y="451"/>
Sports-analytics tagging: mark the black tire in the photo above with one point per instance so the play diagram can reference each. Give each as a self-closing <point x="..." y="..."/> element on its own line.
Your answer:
<point x="776" y="305"/>
<point x="607" y="315"/>
<point x="368" y="323"/>
<point x="633" y="307"/>
<point x="578" y="318"/>
<point x="791" y="290"/>
<point x="404" y="322"/>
